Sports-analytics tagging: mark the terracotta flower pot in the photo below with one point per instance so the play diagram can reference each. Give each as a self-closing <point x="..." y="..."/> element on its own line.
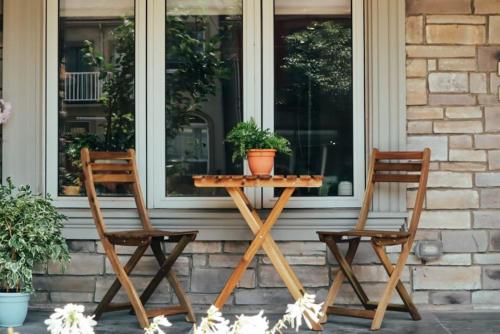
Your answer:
<point x="261" y="161"/>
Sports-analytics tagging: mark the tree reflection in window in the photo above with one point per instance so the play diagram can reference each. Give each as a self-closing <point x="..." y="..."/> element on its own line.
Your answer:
<point x="203" y="91"/>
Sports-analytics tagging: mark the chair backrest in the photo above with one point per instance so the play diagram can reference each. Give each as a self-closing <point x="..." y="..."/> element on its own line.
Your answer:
<point x="112" y="168"/>
<point x="397" y="167"/>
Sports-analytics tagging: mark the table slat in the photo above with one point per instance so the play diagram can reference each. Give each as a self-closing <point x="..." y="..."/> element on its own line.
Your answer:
<point x="277" y="181"/>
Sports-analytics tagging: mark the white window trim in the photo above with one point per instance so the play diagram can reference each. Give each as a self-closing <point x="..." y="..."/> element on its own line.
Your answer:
<point x="358" y="111"/>
<point x="150" y="32"/>
<point x="52" y="117"/>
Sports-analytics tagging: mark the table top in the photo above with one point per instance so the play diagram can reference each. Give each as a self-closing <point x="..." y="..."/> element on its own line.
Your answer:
<point x="271" y="181"/>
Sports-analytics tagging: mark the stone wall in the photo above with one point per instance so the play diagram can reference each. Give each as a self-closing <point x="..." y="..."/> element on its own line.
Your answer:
<point x="454" y="108"/>
<point x="203" y="270"/>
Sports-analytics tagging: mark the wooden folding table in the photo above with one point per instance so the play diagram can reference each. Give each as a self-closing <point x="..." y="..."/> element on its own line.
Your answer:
<point x="234" y="185"/>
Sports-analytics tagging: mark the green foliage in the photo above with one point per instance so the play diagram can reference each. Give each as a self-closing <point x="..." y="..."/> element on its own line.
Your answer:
<point x="247" y="135"/>
<point x="30" y="232"/>
<point x="198" y="65"/>
<point x="118" y="97"/>
<point x="323" y="54"/>
<point x="73" y="174"/>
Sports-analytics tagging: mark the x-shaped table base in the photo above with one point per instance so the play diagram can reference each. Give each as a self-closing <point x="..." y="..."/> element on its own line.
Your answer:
<point x="263" y="239"/>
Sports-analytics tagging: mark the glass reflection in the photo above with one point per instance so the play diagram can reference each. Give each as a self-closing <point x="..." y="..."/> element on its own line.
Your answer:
<point x="96" y="85"/>
<point x="203" y="97"/>
<point x="313" y="91"/>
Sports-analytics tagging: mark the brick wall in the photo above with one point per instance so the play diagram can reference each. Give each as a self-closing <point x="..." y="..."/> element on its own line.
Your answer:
<point x="454" y="108"/>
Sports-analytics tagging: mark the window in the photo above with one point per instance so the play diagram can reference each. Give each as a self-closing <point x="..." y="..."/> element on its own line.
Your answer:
<point x="96" y="86"/>
<point x="203" y="81"/>
<point x="316" y="95"/>
<point x="92" y="89"/>
<point x="295" y="67"/>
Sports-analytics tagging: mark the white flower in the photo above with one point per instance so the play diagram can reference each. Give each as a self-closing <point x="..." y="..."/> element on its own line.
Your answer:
<point x="70" y="320"/>
<point x="5" y="111"/>
<point x="214" y="323"/>
<point x="305" y="308"/>
<point x="154" y="327"/>
<point x="257" y="324"/>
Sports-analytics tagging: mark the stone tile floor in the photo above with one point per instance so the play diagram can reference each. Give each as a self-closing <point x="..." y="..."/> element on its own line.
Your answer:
<point x="432" y="323"/>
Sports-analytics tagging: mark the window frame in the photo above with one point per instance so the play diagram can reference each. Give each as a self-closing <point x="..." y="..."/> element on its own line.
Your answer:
<point x="52" y="106"/>
<point x="156" y="105"/>
<point x="258" y="90"/>
<point x="268" y="198"/>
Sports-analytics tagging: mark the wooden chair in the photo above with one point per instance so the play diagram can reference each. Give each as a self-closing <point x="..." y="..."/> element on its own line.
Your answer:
<point x="384" y="167"/>
<point x="120" y="168"/>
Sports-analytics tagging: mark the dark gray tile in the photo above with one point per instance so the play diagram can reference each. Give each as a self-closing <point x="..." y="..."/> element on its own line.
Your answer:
<point x="472" y="326"/>
<point x="394" y="323"/>
<point x="472" y="316"/>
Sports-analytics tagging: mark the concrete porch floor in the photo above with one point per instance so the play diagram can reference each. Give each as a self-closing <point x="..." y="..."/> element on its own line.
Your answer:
<point x="432" y="323"/>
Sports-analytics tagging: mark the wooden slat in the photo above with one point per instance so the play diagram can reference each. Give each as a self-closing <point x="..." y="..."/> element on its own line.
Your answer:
<point x="95" y="155"/>
<point x="396" y="178"/>
<point x="364" y="233"/>
<point x="399" y="155"/>
<point x="111" y="167"/>
<point x="233" y="181"/>
<point x="117" y="307"/>
<point x="351" y="312"/>
<point x="391" y="307"/>
<point x="398" y="167"/>
<point x="170" y="310"/>
<point x="113" y="178"/>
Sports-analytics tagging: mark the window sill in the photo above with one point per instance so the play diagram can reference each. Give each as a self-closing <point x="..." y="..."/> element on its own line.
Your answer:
<point x="294" y="224"/>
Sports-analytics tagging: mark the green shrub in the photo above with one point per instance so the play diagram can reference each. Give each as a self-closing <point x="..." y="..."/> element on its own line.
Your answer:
<point x="247" y="135"/>
<point x="30" y="233"/>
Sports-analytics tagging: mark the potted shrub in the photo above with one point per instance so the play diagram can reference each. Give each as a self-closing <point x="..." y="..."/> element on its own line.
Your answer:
<point x="257" y="145"/>
<point x="71" y="183"/>
<point x="30" y="233"/>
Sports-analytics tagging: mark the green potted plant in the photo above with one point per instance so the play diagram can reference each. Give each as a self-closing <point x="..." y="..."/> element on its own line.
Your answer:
<point x="30" y="233"/>
<point x="257" y="145"/>
<point x="71" y="183"/>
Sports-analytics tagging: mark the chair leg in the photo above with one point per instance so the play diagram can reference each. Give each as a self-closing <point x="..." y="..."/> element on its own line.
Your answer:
<point x="400" y="288"/>
<point x="389" y="289"/>
<point x="165" y="271"/>
<point x="181" y="296"/>
<point x="347" y="270"/>
<point x="127" y="285"/>
<point x="115" y="287"/>
<point x="339" y="279"/>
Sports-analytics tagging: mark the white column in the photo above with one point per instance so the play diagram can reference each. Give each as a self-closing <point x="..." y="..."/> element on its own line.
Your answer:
<point x="23" y="143"/>
<point x="385" y="90"/>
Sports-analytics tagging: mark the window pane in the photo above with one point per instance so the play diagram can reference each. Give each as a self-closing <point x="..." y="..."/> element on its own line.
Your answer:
<point x="204" y="64"/>
<point x="313" y="91"/>
<point x="96" y="84"/>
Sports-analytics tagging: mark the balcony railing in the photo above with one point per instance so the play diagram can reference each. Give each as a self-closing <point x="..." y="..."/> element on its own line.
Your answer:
<point x="82" y="87"/>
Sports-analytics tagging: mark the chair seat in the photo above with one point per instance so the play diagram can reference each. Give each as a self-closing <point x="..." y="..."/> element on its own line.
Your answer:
<point x="364" y="233"/>
<point x="135" y="237"/>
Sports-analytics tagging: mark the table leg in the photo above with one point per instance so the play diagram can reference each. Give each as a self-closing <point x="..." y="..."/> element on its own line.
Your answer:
<point x="256" y="244"/>
<point x="263" y="239"/>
